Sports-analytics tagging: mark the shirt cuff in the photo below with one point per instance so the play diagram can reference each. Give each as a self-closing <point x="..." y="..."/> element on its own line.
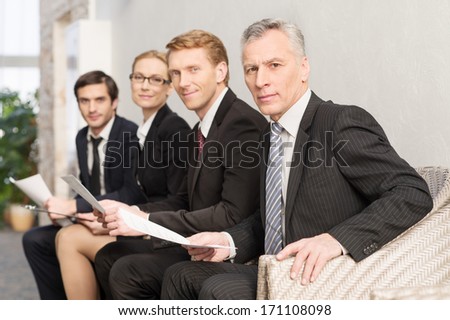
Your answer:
<point x="232" y="247"/>
<point x="147" y="236"/>
<point x="344" y="251"/>
<point x="137" y="208"/>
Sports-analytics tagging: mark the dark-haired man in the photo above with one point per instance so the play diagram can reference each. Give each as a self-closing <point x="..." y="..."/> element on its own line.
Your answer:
<point x="104" y="161"/>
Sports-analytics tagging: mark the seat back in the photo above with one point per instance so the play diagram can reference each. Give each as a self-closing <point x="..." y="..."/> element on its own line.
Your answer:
<point x="437" y="179"/>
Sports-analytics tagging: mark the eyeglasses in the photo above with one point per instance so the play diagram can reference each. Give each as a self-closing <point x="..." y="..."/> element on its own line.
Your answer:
<point x="153" y="80"/>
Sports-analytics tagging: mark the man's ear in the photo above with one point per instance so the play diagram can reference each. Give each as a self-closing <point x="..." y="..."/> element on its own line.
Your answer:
<point x="221" y="72"/>
<point x="304" y="66"/>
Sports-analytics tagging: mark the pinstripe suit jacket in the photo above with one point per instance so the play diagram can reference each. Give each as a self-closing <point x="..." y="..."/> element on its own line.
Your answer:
<point x="346" y="179"/>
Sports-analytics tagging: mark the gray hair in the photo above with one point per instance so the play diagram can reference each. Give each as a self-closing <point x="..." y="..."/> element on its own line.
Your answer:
<point x="292" y="31"/>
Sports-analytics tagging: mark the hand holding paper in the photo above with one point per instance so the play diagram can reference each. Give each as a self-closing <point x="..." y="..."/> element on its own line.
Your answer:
<point x="203" y="252"/>
<point x="114" y="221"/>
<point x="76" y="185"/>
<point x="57" y="204"/>
<point x="155" y="230"/>
<point x="122" y="219"/>
<point x="147" y="227"/>
<point x="34" y="187"/>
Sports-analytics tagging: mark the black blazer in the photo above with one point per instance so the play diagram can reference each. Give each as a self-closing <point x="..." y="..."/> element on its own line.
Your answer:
<point x="347" y="180"/>
<point x="161" y="165"/>
<point x="218" y="191"/>
<point x="117" y="165"/>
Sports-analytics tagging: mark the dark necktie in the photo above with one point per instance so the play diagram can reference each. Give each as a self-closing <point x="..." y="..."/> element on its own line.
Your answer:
<point x="95" y="171"/>
<point x="201" y="141"/>
<point x="274" y="198"/>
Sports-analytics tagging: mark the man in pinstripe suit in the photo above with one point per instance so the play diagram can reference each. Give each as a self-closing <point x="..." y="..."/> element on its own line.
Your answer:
<point x="344" y="188"/>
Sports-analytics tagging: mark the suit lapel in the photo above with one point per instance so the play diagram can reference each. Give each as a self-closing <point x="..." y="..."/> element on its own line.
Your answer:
<point x="151" y="139"/>
<point x="194" y="165"/>
<point x="197" y="160"/>
<point x="296" y="171"/>
<point x="160" y="115"/>
<point x="114" y="135"/>
<point x="264" y="154"/>
<point x="298" y="157"/>
<point x="152" y="134"/>
<point x="84" y="169"/>
<point x="213" y="135"/>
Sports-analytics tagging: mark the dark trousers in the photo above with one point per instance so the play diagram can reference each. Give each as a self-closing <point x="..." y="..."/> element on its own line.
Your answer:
<point x="190" y="280"/>
<point x="133" y="269"/>
<point x="39" y="247"/>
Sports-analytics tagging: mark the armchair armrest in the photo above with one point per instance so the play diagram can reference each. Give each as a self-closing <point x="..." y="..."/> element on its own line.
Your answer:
<point x="419" y="257"/>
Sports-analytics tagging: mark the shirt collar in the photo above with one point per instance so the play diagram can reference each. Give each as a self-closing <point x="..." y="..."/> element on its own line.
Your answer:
<point x="290" y="121"/>
<point x="207" y="121"/>
<point x="144" y="128"/>
<point x="104" y="133"/>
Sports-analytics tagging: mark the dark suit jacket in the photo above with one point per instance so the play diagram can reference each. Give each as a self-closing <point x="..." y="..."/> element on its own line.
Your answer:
<point x="117" y="167"/>
<point x="347" y="180"/>
<point x="220" y="191"/>
<point x="161" y="165"/>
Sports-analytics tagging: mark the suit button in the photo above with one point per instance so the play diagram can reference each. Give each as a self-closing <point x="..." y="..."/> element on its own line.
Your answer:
<point x="366" y="251"/>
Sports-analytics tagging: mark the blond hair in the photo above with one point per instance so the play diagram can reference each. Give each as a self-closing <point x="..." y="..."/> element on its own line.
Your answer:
<point x="201" y="39"/>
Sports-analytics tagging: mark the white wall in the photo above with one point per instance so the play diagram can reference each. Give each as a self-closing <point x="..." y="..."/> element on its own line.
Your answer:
<point x="390" y="57"/>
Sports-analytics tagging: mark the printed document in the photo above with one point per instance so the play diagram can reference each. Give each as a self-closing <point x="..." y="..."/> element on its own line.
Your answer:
<point x="155" y="230"/>
<point x="78" y="187"/>
<point x="34" y="187"/>
<point x="134" y="221"/>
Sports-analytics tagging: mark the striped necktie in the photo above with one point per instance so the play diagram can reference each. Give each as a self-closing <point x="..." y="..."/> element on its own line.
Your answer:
<point x="274" y="198"/>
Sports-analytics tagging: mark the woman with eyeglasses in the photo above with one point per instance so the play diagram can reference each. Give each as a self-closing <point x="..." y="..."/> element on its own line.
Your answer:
<point x="159" y="169"/>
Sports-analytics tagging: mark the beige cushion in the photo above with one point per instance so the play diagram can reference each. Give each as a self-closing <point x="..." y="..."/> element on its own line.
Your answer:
<point x="416" y="293"/>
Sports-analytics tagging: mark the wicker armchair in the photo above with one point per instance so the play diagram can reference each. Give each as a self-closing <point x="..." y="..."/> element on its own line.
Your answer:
<point x="414" y="265"/>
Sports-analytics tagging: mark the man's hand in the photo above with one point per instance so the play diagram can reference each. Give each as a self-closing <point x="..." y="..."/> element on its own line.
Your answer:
<point x="113" y="221"/>
<point x="94" y="226"/>
<point x="208" y="254"/>
<point x="107" y="205"/>
<point x="313" y="252"/>
<point x="64" y="206"/>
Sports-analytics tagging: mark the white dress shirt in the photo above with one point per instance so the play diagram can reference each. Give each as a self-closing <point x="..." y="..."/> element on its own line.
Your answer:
<point x="206" y="122"/>
<point x="143" y="130"/>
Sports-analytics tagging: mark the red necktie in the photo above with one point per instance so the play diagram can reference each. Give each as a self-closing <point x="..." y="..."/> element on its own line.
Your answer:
<point x="201" y="141"/>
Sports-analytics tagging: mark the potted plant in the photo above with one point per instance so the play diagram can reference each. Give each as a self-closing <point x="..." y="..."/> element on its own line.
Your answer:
<point x="18" y="147"/>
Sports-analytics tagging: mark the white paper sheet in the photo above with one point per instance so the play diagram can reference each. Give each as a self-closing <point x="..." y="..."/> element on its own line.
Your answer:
<point x="76" y="185"/>
<point x="34" y="187"/>
<point x="155" y="230"/>
<point x="133" y="221"/>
